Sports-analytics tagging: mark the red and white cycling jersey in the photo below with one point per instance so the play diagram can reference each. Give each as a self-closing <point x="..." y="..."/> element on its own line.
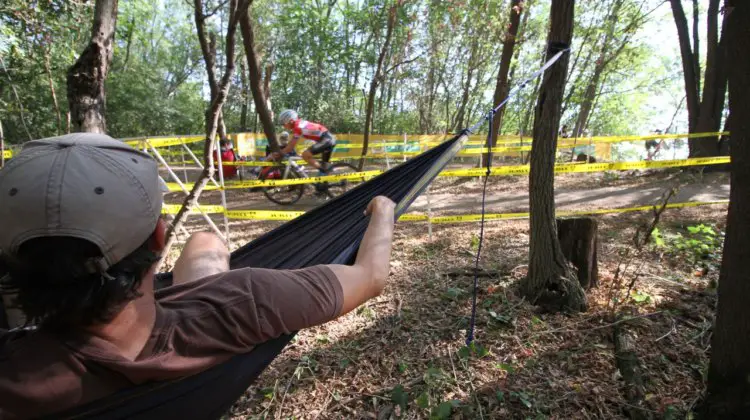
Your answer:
<point x="308" y="129"/>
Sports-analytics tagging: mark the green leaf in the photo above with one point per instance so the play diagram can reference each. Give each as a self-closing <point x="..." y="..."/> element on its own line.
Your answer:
<point x="453" y="293"/>
<point x="505" y="319"/>
<point x="267" y="393"/>
<point x="464" y="352"/>
<point x="402" y="366"/>
<point x="500" y="395"/>
<point x="506" y="367"/>
<point x="443" y="410"/>
<point x="343" y="363"/>
<point x="399" y="396"/>
<point x="423" y="400"/>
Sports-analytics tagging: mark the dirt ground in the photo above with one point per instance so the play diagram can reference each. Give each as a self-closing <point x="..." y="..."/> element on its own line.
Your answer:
<point x="403" y="355"/>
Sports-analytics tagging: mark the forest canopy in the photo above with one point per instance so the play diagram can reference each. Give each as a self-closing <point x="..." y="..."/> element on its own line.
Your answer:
<point x="439" y="70"/>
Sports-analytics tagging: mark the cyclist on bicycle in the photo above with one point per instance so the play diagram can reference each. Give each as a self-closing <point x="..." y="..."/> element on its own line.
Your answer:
<point x="324" y="140"/>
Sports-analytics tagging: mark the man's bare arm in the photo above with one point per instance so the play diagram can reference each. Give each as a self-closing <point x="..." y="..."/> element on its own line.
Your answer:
<point x="366" y="278"/>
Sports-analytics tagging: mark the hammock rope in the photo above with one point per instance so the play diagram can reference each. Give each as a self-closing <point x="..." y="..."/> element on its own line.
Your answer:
<point x="488" y="118"/>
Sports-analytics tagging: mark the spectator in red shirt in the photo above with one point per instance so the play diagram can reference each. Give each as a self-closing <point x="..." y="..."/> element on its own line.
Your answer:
<point x="227" y="155"/>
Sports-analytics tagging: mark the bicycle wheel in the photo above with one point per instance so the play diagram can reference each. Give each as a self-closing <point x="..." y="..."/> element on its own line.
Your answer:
<point x="336" y="188"/>
<point x="283" y="194"/>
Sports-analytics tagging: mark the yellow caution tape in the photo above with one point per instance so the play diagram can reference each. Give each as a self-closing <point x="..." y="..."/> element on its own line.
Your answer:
<point x="589" y="167"/>
<point x="415" y="217"/>
<point x="565" y="213"/>
<point x="263" y="214"/>
<point x="174" y="208"/>
<point x="7" y="154"/>
<point x="354" y="176"/>
<point x="164" y="141"/>
<point x="511" y="170"/>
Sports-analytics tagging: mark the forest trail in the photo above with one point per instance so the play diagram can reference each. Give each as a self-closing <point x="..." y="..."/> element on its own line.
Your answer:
<point x="508" y="195"/>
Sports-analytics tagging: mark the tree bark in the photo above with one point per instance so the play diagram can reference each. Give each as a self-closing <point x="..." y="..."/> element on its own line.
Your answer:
<point x="267" y="87"/>
<point x="550" y="282"/>
<point x="86" y="94"/>
<point x="501" y="87"/>
<point x="688" y="63"/>
<point x="714" y="88"/>
<point x="254" y="79"/>
<point x="245" y="94"/>
<point x="704" y="112"/>
<point x="728" y="385"/>
<point x="374" y="83"/>
<point x="579" y="243"/>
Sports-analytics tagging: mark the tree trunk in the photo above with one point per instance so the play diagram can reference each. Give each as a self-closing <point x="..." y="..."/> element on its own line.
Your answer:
<point x="696" y="43"/>
<point x="579" y="243"/>
<point x="550" y="282"/>
<point x="86" y="95"/>
<point x="52" y="91"/>
<point x="374" y="83"/>
<point x="688" y="63"/>
<point x="267" y="88"/>
<point x="605" y="57"/>
<point x="245" y="94"/>
<point x="254" y="79"/>
<point x="704" y="113"/>
<point x="728" y="385"/>
<point x="219" y="92"/>
<point x="501" y="87"/>
<point x="714" y="88"/>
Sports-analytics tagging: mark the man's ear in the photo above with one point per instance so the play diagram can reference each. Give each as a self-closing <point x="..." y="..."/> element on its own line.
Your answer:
<point x="158" y="239"/>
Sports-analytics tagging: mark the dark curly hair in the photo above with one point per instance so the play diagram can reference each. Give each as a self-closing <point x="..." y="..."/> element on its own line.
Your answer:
<point x="57" y="286"/>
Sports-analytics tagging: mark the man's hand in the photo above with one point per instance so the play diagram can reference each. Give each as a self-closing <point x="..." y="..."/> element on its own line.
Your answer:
<point x="381" y="205"/>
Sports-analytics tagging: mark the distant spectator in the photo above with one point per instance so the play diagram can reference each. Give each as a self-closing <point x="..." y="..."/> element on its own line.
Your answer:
<point x="227" y="155"/>
<point x="564" y="133"/>
<point x="653" y="145"/>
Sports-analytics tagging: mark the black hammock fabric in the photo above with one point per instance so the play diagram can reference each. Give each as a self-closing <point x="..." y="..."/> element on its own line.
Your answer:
<point x="329" y="234"/>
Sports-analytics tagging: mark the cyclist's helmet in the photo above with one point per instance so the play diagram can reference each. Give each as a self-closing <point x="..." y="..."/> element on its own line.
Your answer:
<point x="287" y="115"/>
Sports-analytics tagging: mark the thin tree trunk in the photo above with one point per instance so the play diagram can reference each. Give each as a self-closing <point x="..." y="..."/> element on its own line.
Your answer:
<point x="86" y="94"/>
<point x="131" y="30"/>
<point x="728" y="394"/>
<point x="696" y="44"/>
<point x="245" y="94"/>
<point x="550" y="283"/>
<point x="374" y="83"/>
<point x="267" y="87"/>
<point x="254" y="78"/>
<point x="52" y="91"/>
<point x="714" y="88"/>
<point x="219" y="92"/>
<point x="502" y="87"/>
<point x="688" y="64"/>
<point x="605" y="57"/>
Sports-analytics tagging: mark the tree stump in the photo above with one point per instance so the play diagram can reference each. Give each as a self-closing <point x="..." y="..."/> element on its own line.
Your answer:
<point x="578" y="239"/>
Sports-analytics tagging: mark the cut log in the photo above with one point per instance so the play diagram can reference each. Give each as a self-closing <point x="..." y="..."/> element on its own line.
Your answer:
<point x="578" y="239"/>
<point x="631" y="371"/>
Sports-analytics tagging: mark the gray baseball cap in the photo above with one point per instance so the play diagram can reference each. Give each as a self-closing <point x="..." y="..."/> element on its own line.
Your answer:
<point x="83" y="185"/>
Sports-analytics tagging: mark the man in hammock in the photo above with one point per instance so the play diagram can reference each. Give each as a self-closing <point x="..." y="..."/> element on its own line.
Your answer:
<point x="80" y="233"/>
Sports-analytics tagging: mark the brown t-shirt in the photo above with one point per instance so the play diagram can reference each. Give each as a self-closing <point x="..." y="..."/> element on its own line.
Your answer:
<point x="198" y="325"/>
